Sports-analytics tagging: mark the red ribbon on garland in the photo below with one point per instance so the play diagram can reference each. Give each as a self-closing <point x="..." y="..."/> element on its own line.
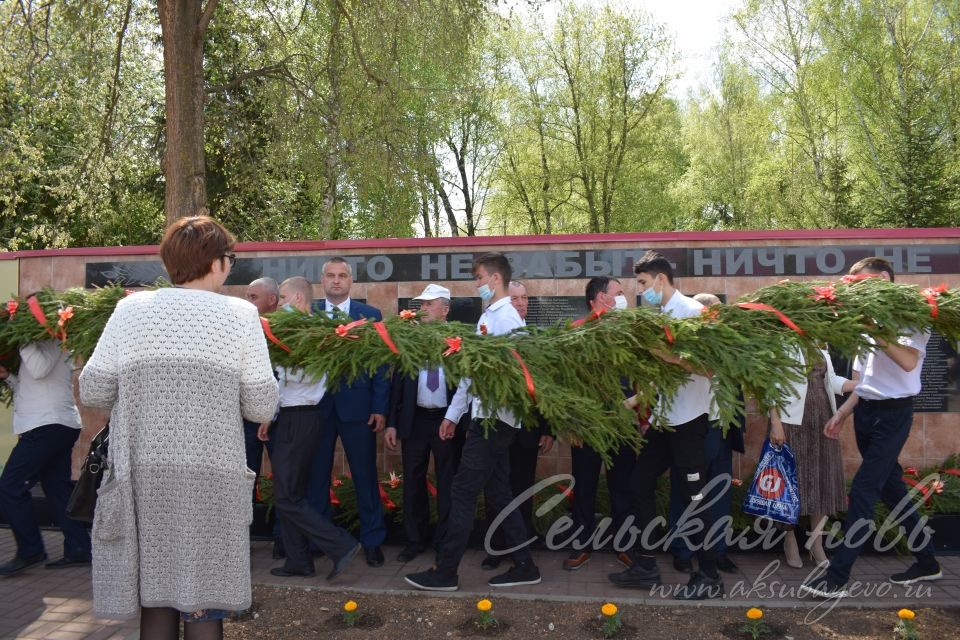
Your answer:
<point x="344" y="329"/>
<point x="931" y="294"/>
<point x="848" y="279"/>
<point x="432" y="490"/>
<point x="567" y="491"/>
<point x="666" y="332"/>
<point x="759" y="306"/>
<point x="385" y="336"/>
<point x="526" y="374"/>
<point x="334" y="500"/>
<point x="385" y="499"/>
<point x="38" y="313"/>
<point x="269" y="333"/>
<point x="12" y="306"/>
<point x="952" y="472"/>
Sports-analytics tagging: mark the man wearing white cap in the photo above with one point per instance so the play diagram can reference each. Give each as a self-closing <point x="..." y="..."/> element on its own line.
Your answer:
<point x="417" y="407"/>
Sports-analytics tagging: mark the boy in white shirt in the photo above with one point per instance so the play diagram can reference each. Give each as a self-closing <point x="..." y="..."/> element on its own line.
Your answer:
<point x="882" y="408"/>
<point x="683" y="447"/>
<point x="485" y="461"/>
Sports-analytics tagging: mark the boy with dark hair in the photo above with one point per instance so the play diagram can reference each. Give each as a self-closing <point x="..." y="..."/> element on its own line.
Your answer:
<point x="882" y="408"/>
<point x="485" y="461"/>
<point x="683" y="447"/>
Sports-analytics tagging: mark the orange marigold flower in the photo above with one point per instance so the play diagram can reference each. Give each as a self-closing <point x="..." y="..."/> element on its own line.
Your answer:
<point x="906" y="614"/>
<point x="484" y="605"/>
<point x="754" y="614"/>
<point x="609" y="609"/>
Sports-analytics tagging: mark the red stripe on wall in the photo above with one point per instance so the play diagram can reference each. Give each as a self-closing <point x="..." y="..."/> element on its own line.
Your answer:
<point x="472" y="241"/>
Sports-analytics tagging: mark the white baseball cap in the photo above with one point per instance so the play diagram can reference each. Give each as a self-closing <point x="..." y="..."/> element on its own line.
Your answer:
<point x="434" y="291"/>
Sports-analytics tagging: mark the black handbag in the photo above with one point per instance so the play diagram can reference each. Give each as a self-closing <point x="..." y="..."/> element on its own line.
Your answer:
<point x="83" y="500"/>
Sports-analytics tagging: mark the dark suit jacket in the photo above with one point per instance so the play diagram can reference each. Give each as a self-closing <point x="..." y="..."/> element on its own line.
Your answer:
<point x="355" y="402"/>
<point x="403" y="404"/>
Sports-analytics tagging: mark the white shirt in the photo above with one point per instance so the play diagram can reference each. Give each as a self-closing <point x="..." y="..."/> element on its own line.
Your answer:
<point x="499" y="318"/>
<point x="882" y="379"/>
<point x="43" y="389"/>
<point x="693" y="397"/>
<point x="343" y="306"/>
<point x="298" y="389"/>
<point x="431" y="399"/>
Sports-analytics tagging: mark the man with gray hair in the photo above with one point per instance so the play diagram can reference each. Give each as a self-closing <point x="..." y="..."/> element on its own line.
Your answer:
<point x="417" y="407"/>
<point x="263" y="293"/>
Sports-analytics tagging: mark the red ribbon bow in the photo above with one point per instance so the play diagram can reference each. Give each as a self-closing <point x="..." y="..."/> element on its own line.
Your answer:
<point x="64" y="317"/>
<point x="385" y="336"/>
<point x="931" y="294"/>
<point x="827" y="293"/>
<point x="269" y="333"/>
<point x="923" y="489"/>
<point x="759" y="306"/>
<point x="344" y="329"/>
<point x="453" y="345"/>
<point x="12" y="306"/>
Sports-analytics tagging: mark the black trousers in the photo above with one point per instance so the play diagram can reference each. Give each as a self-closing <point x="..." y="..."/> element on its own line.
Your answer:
<point x="586" y="465"/>
<point x="484" y="466"/>
<point x="416" y="450"/>
<point x="296" y="438"/>
<point x="683" y="448"/>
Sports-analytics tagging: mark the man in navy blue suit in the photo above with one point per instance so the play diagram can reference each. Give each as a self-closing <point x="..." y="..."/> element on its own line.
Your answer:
<point x="355" y="413"/>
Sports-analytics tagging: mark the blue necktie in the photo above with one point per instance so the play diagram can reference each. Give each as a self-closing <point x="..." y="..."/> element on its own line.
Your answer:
<point x="433" y="379"/>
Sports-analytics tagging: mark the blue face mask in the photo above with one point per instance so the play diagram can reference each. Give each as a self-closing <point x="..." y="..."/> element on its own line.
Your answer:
<point x="653" y="297"/>
<point x="485" y="292"/>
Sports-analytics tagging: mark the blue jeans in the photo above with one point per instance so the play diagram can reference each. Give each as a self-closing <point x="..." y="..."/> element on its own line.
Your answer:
<point x="881" y="434"/>
<point x="42" y="455"/>
<point x="719" y="460"/>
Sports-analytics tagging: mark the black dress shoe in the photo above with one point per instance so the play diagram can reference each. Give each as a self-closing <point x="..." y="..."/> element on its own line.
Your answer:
<point x="278" y="552"/>
<point x="725" y="564"/>
<point x="683" y="565"/>
<point x="19" y="564"/>
<point x="283" y="572"/>
<point x="374" y="556"/>
<point x="410" y="552"/>
<point x="65" y="562"/>
<point x="342" y="563"/>
<point x="636" y="577"/>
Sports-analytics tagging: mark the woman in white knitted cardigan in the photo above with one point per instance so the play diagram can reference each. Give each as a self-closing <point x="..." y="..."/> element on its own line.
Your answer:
<point x="178" y="367"/>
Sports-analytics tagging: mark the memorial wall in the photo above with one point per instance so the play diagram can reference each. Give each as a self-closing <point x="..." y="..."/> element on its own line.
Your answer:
<point x="555" y="269"/>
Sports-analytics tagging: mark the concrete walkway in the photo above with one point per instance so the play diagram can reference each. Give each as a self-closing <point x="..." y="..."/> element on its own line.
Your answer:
<point x="57" y="605"/>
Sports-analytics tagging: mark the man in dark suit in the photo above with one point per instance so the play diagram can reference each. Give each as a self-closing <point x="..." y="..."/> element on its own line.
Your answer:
<point x="417" y="407"/>
<point x="355" y="413"/>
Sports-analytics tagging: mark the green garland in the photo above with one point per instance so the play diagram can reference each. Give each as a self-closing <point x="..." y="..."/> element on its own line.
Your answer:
<point x="571" y="374"/>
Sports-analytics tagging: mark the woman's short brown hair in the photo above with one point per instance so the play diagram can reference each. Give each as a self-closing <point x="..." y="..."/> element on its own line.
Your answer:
<point x="190" y="245"/>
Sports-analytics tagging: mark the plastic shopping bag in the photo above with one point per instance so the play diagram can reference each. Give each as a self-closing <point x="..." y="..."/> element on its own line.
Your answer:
<point x="774" y="492"/>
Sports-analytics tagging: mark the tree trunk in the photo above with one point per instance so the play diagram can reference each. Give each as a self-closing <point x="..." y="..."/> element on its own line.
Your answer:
<point x="183" y="24"/>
